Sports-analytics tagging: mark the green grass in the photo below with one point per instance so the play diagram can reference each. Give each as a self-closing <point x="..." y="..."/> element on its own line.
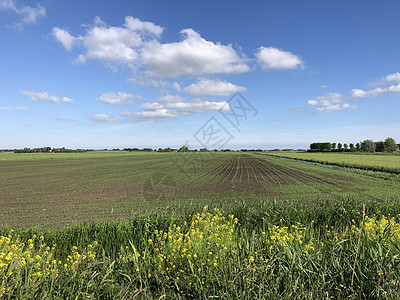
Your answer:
<point x="378" y="162"/>
<point x="10" y="156"/>
<point x="258" y="259"/>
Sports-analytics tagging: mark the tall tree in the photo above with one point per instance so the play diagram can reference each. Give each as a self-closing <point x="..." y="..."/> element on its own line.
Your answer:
<point x="368" y="146"/>
<point x="183" y="149"/>
<point x="390" y="145"/>
<point x="380" y="146"/>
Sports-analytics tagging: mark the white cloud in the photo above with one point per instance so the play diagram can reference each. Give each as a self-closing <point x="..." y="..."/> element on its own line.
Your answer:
<point x="153" y="111"/>
<point x="65" y="38"/>
<point x="387" y="83"/>
<point x="212" y="87"/>
<point x="273" y="58"/>
<point x="358" y="93"/>
<point x="104" y="118"/>
<point x="152" y="106"/>
<point x="199" y="106"/>
<point x="44" y="96"/>
<point x="18" y="108"/>
<point x="393" y="77"/>
<point x="28" y="13"/>
<point x="170" y="98"/>
<point x="144" y="27"/>
<point x="110" y="44"/>
<point x="62" y="118"/>
<point x="116" y="99"/>
<point x="329" y="102"/>
<point x="149" y="115"/>
<point x="67" y="100"/>
<point x="176" y="86"/>
<point x="192" y="56"/>
<point x="136" y="44"/>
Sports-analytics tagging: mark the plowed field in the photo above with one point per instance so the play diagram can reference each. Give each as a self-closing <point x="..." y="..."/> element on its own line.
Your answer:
<point x="55" y="191"/>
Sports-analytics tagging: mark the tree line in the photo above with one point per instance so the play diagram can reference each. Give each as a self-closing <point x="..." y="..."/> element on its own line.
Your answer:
<point x="388" y="145"/>
<point x="48" y="150"/>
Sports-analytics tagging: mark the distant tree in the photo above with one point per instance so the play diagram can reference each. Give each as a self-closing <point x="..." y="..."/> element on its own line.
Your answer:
<point x="339" y="147"/>
<point x="333" y="146"/>
<point x="390" y="145"/>
<point x="319" y="147"/>
<point x="314" y="147"/>
<point x="368" y="146"/>
<point x="380" y="146"/>
<point x="183" y="149"/>
<point x="203" y="150"/>
<point x="352" y="147"/>
<point x="358" y="146"/>
<point x="345" y="147"/>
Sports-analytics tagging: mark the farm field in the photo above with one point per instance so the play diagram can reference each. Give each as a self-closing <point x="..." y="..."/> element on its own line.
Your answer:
<point x="53" y="191"/>
<point x="124" y="225"/>
<point x="379" y="162"/>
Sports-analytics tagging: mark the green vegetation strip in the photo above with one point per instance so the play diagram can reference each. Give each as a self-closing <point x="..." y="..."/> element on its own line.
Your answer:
<point x="374" y="162"/>
<point x="273" y="251"/>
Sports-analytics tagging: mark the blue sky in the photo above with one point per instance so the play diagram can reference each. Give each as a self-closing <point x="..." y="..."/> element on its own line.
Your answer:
<point x="109" y="74"/>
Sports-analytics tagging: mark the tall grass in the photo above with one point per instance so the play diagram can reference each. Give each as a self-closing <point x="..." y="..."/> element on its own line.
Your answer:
<point x="277" y="250"/>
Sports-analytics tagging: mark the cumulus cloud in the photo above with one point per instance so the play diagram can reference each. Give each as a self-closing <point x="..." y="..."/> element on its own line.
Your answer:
<point x="137" y="45"/>
<point x="212" y="87"/>
<point x="170" y="98"/>
<point x="104" y="118"/>
<point x="65" y="38"/>
<point x="193" y="56"/>
<point x="116" y="99"/>
<point x="18" y="108"/>
<point x="28" y="13"/>
<point x="393" y="88"/>
<point x="149" y="115"/>
<point x="272" y="58"/>
<point x="199" y="106"/>
<point x="44" y="96"/>
<point x="376" y="92"/>
<point x="329" y="103"/>
<point x="135" y="24"/>
<point x="153" y="111"/>
<point x="67" y="100"/>
<point x="108" y="43"/>
<point x="152" y="106"/>
<point x="63" y="118"/>
<point x="393" y="77"/>
<point x="388" y="87"/>
<point x="358" y="93"/>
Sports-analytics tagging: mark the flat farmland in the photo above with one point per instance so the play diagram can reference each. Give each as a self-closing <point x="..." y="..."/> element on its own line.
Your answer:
<point x="379" y="162"/>
<point x="53" y="190"/>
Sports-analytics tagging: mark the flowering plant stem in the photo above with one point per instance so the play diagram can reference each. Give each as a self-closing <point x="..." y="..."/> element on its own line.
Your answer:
<point x="362" y="212"/>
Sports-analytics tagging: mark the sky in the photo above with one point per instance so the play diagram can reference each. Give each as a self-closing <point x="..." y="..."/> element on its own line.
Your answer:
<point x="214" y="74"/>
